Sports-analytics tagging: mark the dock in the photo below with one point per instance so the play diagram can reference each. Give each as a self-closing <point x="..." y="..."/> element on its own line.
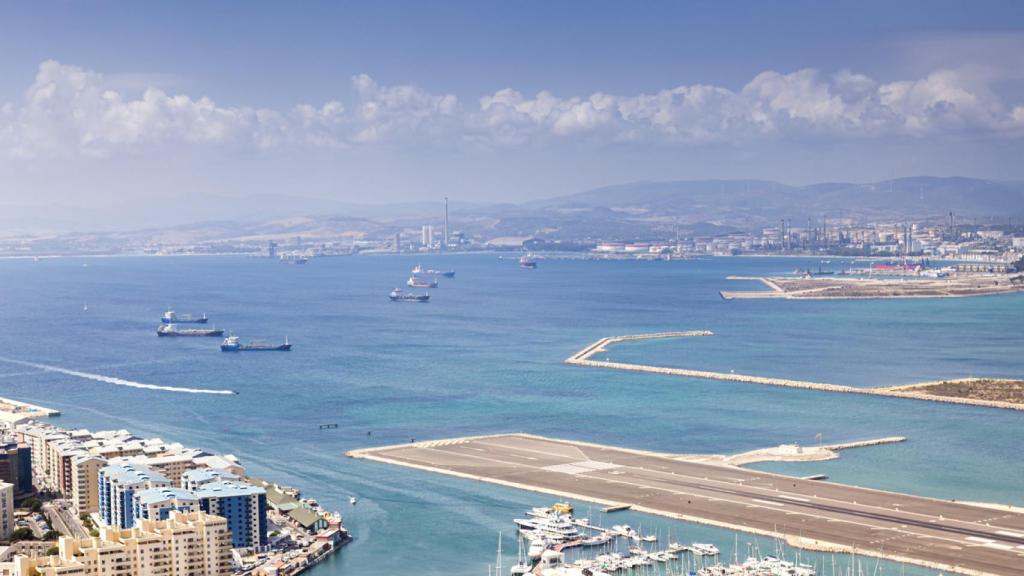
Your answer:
<point x="911" y="391"/>
<point x="811" y="514"/>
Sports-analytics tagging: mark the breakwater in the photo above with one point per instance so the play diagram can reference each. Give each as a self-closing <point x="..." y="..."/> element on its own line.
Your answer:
<point x="913" y="391"/>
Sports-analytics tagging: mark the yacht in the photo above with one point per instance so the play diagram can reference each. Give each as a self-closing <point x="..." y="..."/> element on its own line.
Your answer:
<point x="557" y="530"/>
<point x="704" y="549"/>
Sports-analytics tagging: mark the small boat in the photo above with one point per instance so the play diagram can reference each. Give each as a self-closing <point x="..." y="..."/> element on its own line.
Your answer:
<point x="704" y="549"/>
<point x="352" y="500"/>
<point x="172" y="317"/>
<point x="232" y="344"/>
<point x="417" y="282"/>
<point x="600" y="539"/>
<point x="173" y="330"/>
<point x="527" y="262"/>
<point x="537" y="547"/>
<point x="398" y="296"/>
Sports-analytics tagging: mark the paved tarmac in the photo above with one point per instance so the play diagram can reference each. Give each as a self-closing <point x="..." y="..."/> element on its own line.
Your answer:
<point x="941" y="534"/>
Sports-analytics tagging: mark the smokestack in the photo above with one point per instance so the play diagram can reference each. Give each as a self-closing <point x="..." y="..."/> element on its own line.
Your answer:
<point x="445" y="245"/>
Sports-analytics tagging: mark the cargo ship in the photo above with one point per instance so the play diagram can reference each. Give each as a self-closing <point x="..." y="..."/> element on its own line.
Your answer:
<point x="429" y="272"/>
<point x="417" y="282"/>
<point x="398" y="296"/>
<point x="173" y="330"/>
<point x="232" y="344"/>
<point x="172" y="317"/>
<point x="527" y="262"/>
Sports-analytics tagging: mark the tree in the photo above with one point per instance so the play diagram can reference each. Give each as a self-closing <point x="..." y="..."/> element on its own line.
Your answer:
<point x="33" y="504"/>
<point x="52" y="551"/>
<point x="51" y="535"/>
<point x="22" y="534"/>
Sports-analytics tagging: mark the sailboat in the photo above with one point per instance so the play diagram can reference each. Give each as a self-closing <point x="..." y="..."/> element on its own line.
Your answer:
<point x="520" y="568"/>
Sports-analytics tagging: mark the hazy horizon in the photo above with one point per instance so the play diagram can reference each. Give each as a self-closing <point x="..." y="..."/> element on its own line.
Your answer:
<point x="109" y="114"/>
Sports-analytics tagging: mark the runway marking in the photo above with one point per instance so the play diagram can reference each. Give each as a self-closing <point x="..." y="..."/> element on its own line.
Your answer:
<point x="768" y="489"/>
<point x="1009" y="533"/>
<point x="797" y="498"/>
<point x="667" y="488"/>
<point x="582" y="454"/>
<point x="767" y="502"/>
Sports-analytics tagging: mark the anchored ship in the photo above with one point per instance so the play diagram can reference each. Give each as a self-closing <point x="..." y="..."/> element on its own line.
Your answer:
<point x="172" y="317"/>
<point x="232" y="344"/>
<point x="398" y="296"/>
<point x="429" y="272"/>
<point x="173" y="330"/>
<point x="417" y="282"/>
<point x="527" y="262"/>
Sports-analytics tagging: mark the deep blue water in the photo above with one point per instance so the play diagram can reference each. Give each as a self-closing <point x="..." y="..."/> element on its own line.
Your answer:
<point x="485" y="356"/>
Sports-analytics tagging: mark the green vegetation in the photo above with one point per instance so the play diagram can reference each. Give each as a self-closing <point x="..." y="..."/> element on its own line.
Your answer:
<point x="33" y="504"/>
<point x="52" y="551"/>
<point x="86" y="519"/>
<point x="51" y="535"/>
<point x="979" y="389"/>
<point x="22" y="534"/>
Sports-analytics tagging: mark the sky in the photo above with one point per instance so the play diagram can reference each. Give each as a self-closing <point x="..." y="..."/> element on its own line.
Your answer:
<point x="128" y="111"/>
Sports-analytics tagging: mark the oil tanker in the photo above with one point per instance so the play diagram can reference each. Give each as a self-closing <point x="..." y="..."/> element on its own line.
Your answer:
<point x="173" y="330"/>
<point x="232" y="344"/>
<point x="172" y="317"/>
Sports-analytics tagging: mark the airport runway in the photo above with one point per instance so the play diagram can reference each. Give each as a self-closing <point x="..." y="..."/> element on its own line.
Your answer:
<point x="814" y="514"/>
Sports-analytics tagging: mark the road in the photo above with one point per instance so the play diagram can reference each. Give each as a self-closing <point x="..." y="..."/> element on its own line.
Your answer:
<point x="63" y="520"/>
<point x="942" y="534"/>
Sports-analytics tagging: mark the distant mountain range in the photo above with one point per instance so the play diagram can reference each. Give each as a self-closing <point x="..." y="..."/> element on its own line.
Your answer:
<point x="742" y="202"/>
<point x="636" y="210"/>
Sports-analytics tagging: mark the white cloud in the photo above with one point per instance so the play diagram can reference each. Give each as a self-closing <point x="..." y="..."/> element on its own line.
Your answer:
<point x="71" y="110"/>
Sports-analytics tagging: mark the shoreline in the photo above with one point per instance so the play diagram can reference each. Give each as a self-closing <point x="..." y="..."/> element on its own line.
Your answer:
<point x="873" y="288"/>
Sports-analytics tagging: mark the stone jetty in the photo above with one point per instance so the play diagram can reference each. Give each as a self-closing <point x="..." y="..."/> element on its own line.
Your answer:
<point x="913" y="391"/>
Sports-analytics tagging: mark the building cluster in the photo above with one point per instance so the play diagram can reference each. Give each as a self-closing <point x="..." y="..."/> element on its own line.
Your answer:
<point x="151" y="500"/>
<point x="183" y="544"/>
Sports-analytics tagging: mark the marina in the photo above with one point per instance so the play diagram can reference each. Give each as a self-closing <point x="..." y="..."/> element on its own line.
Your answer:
<point x="808" y="514"/>
<point x="918" y="391"/>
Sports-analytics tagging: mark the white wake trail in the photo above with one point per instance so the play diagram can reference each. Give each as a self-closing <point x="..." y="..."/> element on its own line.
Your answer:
<point x="117" y="381"/>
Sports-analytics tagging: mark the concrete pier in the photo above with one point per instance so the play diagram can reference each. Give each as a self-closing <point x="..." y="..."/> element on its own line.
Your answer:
<point x="939" y="534"/>
<point x="14" y="411"/>
<point x="912" y="391"/>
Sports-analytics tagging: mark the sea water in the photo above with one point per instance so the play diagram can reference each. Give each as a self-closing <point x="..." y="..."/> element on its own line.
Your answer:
<point x="486" y="356"/>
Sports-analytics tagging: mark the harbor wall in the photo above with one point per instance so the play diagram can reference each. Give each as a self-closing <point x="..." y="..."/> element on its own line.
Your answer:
<point x="912" y="391"/>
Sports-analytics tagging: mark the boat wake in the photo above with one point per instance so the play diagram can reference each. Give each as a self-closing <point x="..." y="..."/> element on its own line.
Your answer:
<point x="116" y="381"/>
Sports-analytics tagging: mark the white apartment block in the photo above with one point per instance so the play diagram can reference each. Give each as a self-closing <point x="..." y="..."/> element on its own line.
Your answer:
<point x="186" y="544"/>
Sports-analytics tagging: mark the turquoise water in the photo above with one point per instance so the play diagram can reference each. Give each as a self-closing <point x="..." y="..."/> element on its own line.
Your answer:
<point x="485" y="356"/>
